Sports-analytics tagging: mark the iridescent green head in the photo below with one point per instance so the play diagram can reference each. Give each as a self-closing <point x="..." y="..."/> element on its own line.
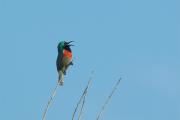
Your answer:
<point x="63" y="44"/>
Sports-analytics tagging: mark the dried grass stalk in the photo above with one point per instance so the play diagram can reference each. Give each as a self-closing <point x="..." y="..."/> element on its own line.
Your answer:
<point x="108" y="99"/>
<point x="50" y="102"/>
<point x="81" y="101"/>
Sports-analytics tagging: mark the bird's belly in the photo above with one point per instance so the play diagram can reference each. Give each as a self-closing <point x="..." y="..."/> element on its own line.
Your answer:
<point x="66" y="61"/>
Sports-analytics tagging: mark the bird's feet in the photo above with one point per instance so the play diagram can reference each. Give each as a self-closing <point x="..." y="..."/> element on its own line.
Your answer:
<point x="71" y="63"/>
<point x="61" y="82"/>
<point x="61" y="78"/>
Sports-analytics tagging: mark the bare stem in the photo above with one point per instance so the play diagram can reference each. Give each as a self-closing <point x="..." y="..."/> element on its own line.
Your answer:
<point x="83" y="96"/>
<point x="108" y="99"/>
<point x="49" y="102"/>
<point x="84" y="99"/>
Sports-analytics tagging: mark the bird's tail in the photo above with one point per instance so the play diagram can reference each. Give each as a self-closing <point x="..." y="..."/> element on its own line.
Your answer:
<point x="61" y="78"/>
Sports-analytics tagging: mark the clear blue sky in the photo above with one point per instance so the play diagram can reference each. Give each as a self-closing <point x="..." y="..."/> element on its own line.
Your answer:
<point x="138" y="40"/>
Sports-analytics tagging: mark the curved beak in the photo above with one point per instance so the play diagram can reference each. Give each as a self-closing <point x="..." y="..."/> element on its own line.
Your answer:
<point x="68" y="43"/>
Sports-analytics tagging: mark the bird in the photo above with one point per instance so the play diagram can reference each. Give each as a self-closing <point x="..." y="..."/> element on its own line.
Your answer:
<point x="64" y="59"/>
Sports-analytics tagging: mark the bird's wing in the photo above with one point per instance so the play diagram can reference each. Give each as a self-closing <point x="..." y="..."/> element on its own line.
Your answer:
<point x="59" y="61"/>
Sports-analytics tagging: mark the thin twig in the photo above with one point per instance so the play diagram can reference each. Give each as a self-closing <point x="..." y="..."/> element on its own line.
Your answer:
<point x="82" y="98"/>
<point x="108" y="99"/>
<point x="77" y="106"/>
<point x="81" y="110"/>
<point x="49" y="102"/>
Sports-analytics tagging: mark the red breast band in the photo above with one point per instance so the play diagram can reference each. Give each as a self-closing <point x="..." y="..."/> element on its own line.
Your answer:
<point x="67" y="54"/>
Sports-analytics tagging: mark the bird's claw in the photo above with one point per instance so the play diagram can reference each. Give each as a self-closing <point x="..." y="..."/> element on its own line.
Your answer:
<point x="71" y="63"/>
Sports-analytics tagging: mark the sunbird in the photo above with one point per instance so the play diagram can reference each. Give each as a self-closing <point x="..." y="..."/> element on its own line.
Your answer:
<point x="64" y="59"/>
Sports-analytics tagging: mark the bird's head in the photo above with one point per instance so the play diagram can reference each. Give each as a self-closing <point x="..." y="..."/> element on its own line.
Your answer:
<point x="64" y="45"/>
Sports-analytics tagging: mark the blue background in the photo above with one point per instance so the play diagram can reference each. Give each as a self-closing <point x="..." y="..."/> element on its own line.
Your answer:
<point x="138" y="40"/>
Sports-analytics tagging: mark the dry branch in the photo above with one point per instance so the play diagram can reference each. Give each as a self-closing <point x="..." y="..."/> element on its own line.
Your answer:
<point x="108" y="99"/>
<point x="82" y="98"/>
<point x="49" y="102"/>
